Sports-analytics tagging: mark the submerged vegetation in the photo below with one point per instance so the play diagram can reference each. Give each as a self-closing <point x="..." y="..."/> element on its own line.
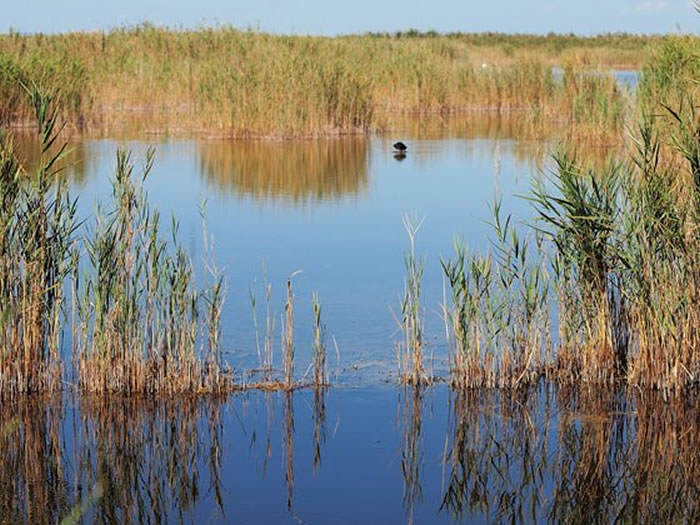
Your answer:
<point x="227" y="82"/>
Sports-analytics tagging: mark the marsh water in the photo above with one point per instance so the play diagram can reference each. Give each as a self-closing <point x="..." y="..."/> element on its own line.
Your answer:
<point x="352" y="455"/>
<point x="329" y="213"/>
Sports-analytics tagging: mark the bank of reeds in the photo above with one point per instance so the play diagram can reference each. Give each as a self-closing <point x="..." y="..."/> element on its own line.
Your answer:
<point x="242" y="83"/>
<point x="619" y="247"/>
<point x="497" y="318"/>
<point x="617" y="243"/>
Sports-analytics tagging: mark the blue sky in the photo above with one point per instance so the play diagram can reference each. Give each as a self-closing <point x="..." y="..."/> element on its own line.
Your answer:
<point x="356" y="16"/>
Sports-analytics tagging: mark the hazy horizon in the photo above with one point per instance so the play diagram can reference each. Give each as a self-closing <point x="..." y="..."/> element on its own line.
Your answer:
<point x="362" y="16"/>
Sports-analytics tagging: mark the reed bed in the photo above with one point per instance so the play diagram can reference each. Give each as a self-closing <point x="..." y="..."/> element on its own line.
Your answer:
<point x="497" y="317"/>
<point x="615" y="250"/>
<point x="138" y="308"/>
<point x="617" y="245"/>
<point x="616" y="257"/>
<point x="227" y="82"/>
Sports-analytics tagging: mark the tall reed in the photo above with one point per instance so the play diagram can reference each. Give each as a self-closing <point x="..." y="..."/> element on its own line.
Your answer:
<point x="139" y="309"/>
<point x="319" y="352"/>
<point x="625" y="250"/>
<point x="288" y="338"/>
<point x="618" y="244"/>
<point x="37" y="227"/>
<point x="243" y="83"/>
<point x="497" y="320"/>
<point x="410" y="350"/>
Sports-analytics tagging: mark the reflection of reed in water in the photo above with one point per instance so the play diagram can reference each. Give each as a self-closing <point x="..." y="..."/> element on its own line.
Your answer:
<point x="496" y="456"/>
<point x="301" y="171"/>
<point x="591" y="453"/>
<point x="628" y="461"/>
<point x="133" y="461"/>
<point x="611" y="459"/>
<point x="529" y="145"/>
<point x="76" y="163"/>
<point x="33" y="478"/>
<point x="319" y="418"/>
<point x="149" y="456"/>
<point x="412" y="448"/>
<point x="288" y="438"/>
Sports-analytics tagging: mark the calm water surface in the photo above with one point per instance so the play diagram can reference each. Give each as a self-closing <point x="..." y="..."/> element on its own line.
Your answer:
<point x="364" y="451"/>
<point x="367" y="455"/>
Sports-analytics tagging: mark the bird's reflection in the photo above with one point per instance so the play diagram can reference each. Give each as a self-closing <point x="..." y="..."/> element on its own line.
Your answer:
<point x="399" y="155"/>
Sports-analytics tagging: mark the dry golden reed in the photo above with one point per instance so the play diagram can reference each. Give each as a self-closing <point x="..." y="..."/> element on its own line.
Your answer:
<point x="226" y="82"/>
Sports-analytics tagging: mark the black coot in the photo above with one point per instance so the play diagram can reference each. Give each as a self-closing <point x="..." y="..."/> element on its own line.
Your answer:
<point x="400" y="146"/>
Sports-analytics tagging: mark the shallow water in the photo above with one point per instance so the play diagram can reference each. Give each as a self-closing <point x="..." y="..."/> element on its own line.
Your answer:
<point x="379" y="455"/>
<point x="331" y="210"/>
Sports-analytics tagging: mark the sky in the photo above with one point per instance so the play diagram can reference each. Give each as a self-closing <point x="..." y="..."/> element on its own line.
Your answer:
<point x="332" y="17"/>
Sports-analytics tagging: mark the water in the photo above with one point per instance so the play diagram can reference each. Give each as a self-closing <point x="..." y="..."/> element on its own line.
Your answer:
<point x="625" y="78"/>
<point x="380" y="455"/>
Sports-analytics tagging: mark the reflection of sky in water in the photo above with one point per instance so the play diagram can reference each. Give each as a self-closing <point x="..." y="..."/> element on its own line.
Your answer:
<point x="627" y="78"/>
<point x="344" y="231"/>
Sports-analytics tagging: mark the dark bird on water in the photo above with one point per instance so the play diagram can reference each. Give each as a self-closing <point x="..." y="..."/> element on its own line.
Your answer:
<point x="400" y="146"/>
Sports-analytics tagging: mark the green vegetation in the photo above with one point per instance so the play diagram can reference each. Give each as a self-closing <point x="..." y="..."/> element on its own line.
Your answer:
<point x="227" y="82"/>
<point x="410" y="351"/>
<point x="37" y="226"/>
<point x="497" y="321"/>
<point x="139" y="314"/>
